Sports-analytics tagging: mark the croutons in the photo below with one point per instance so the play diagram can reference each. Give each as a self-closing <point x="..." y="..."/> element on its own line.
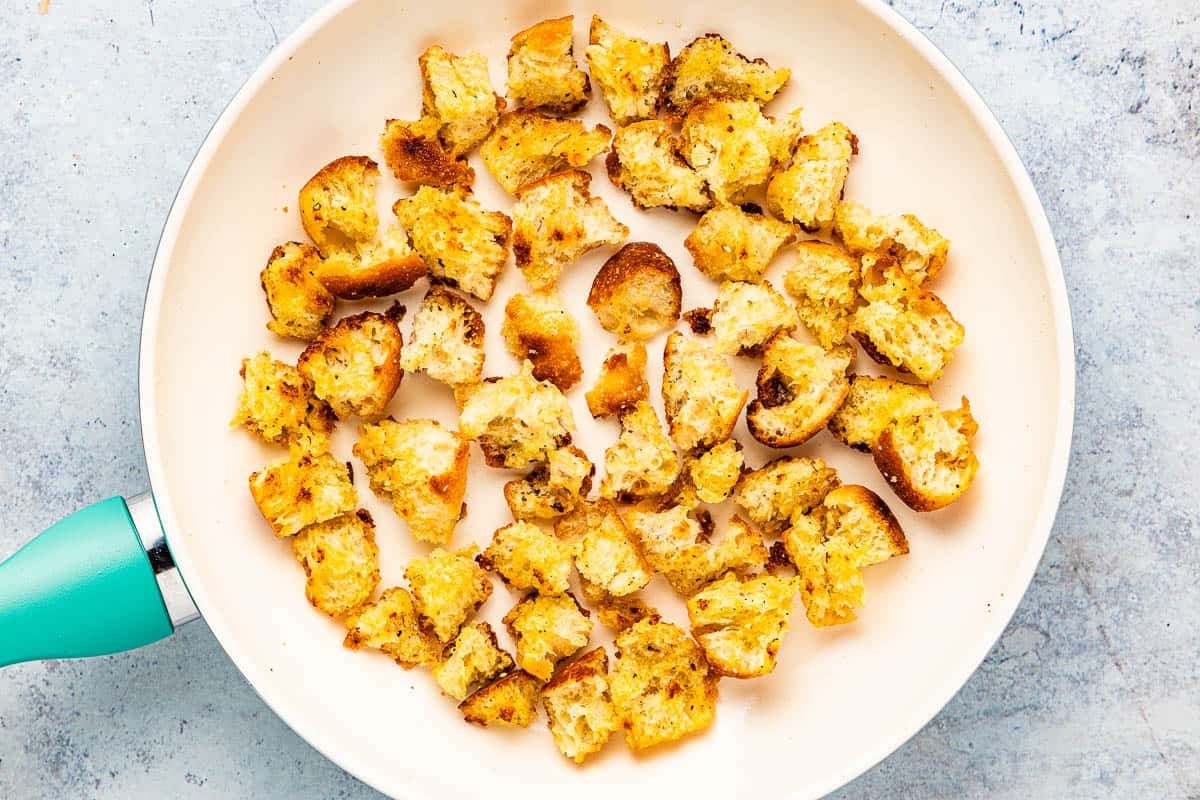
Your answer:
<point x="700" y="393"/>
<point x="337" y="205"/>
<point x="741" y="624"/>
<point x="341" y="561"/>
<point x="391" y="625"/>
<point x="461" y="244"/>
<point x="458" y="93"/>
<point x="800" y="386"/>
<point x="301" y="490"/>
<point x="511" y="700"/>
<point x="636" y="293"/>
<point x="733" y="146"/>
<point x="556" y="220"/>
<point x="517" y="420"/>
<point x="780" y="489"/>
<point x="527" y="146"/>
<point x="903" y="325"/>
<point x="716" y="471"/>
<point x="474" y="658"/>
<point x="448" y="588"/>
<point x="645" y="162"/>
<point x="737" y="244"/>
<point x="920" y="251"/>
<point x="579" y="707"/>
<point x="630" y="71"/>
<point x="809" y="189"/>
<point x="446" y="342"/>
<point x="710" y="66"/>
<point x="679" y="545"/>
<point x="746" y="316"/>
<point x="642" y="462"/>
<point x="377" y="269"/>
<point x="547" y="629"/>
<point x="538" y="327"/>
<point x="551" y="489"/>
<point x="852" y="528"/>
<point x="542" y="72"/>
<point x="526" y="557"/>
<point x="824" y="280"/>
<point x="299" y="303"/>
<point x="875" y="404"/>
<point x="617" y="613"/>
<point x="604" y="554"/>
<point x="661" y="684"/>
<point x="416" y="154"/>
<point x="355" y="365"/>
<point x="421" y="467"/>
<point x="277" y="405"/>
<point x="621" y="383"/>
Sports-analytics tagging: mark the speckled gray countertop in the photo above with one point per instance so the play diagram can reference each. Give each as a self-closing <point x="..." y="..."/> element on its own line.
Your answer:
<point x="1094" y="689"/>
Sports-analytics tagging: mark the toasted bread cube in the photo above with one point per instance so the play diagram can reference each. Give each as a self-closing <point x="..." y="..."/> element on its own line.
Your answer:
<point x="527" y="558"/>
<point x="927" y="459"/>
<point x="781" y="489"/>
<point x="679" y="545"/>
<point x="710" y="66"/>
<point x="299" y="303"/>
<point x="511" y="700"/>
<point x="903" y="325"/>
<point x="741" y="624"/>
<point x="337" y="205"/>
<point x="416" y="154"/>
<point x="527" y="146"/>
<point x="341" y="562"/>
<point x="301" y="490"/>
<point x="448" y="588"/>
<point x="458" y="93"/>
<point x="421" y="467"/>
<point x="800" y="386"/>
<point x="636" y="293"/>
<point x="538" y="327"/>
<point x="645" y="162"/>
<point x="446" y="342"/>
<point x="661" y="684"/>
<point x="517" y="420"/>
<point x="810" y="188"/>
<point x="542" y="72"/>
<point x="391" y="625"/>
<point x="920" y="251"/>
<point x="547" y="629"/>
<point x="462" y="244"/>
<point x="852" y="528"/>
<point x="551" y="489"/>
<point x="617" y="613"/>
<point x="355" y="365"/>
<point x="474" y="658"/>
<point x="277" y="405"/>
<point x="378" y="269"/>
<point x="621" y="383"/>
<point x="716" y="471"/>
<point x="604" y="553"/>
<point x="824" y="280"/>
<point x="642" y="462"/>
<point x="737" y="244"/>
<point x="876" y="404"/>
<point x="556" y="220"/>
<point x="579" y="707"/>
<point x="748" y="315"/>
<point x="700" y="393"/>
<point x="630" y="71"/>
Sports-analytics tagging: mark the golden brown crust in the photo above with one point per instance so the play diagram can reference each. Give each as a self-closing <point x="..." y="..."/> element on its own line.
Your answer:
<point x="341" y="562"/>
<point x="301" y="490"/>
<point x="380" y="279"/>
<point x="355" y="365"/>
<point x="637" y="292"/>
<point x="527" y="146"/>
<point x="416" y="155"/>
<point x="645" y="162"/>
<point x="737" y="243"/>
<point x="457" y="91"/>
<point x="537" y="327"/>
<point x="709" y="65"/>
<point x="511" y="700"/>
<point x="621" y="383"/>
<point x="629" y="71"/>
<point x="800" y="387"/>
<point x="299" y="303"/>
<point x="391" y="625"/>
<point x="542" y="72"/>
<point x="337" y="205"/>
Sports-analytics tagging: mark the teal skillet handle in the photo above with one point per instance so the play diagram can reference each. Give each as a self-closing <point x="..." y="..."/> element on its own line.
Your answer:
<point x="100" y="581"/>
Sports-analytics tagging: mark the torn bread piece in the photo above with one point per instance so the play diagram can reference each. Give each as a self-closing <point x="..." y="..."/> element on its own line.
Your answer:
<point x="629" y="70"/>
<point x="277" y="405"/>
<point x="716" y="471"/>
<point x="808" y="190"/>
<point x="446" y="342"/>
<point x="457" y="92"/>
<point x="710" y="66"/>
<point x="645" y="162"/>
<point x="616" y="613"/>
<point x="920" y="251"/>
<point x="392" y="626"/>
<point x="378" y="269"/>
<point x="605" y="555"/>
<point x="474" y="658"/>
<point x="782" y="488"/>
<point x="547" y="629"/>
<point x="636" y="294"/>
<point x="681" y="545"/>
<point x="621" y="383"/>
<point x="538" y="327"/>
<point x="552" y="489"/>
<point x="355" y="365"/>
<point x="700" y="393"/>
<point x="299" y="303"/>
<point x="737" y="244"/>
<point x="542" y="72"/>
<point x="527" y="558"/>
<point x="337" y="205"/>
<point x="875" y="404"/>
<point x="301" y="490"/>
<point x="642" y="462"/>
<point x="448" y="588"/>
<point x="341" y="562"/>
<point x="415" y="154"/>
<point x="745" y="316"/>
<point x="824" y="280"/>
<point x="527" y="146"/>
<point x="517" y="420"/>
<point x="800" y="386"/>
<point x="579" y="707"/>
<point x="741" y="624"/>
<point x="510" y="701"/>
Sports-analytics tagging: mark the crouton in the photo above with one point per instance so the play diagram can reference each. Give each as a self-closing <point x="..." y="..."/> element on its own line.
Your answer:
<point x="875" y="404"/>
<point x="448" y="588"/>
<point x="824" y="280"/>
<point x="737" y="244"/>
<point x="700" y="394"/>
<point x="903" y="325"/>
<point x="630" y="71"/>
<point x="391" y="625"/>
<point x="277" y="405"/>
<point x="474" y="658"/>
<point x="781" y="489"/>
<point x="920" y="251"/>
<point x="716" y="471"/>
<point x="604" y="554"/>
<point x="526" y="557"/>
<point x="852" y="528"/>
<point x="547" y="629"/>
<point x="551" y="489"/>
<point x="527" y="146"/>
<point x="645" y="162"/>
<point x="660" y="684"/>
<point x="741" y="624"/>
<point x="377" y="269"/>
<point x="636" y="293"/>
<point x="299" y="303"/>
<point x="809" y="189"/>
<point x="517" y="420"/>
<point x="927" y="459"/>
<point x="458" y="93"/>
<point x="337" y="205"/>
<point x="734" y="147"/>
<point x="556" y="220"/>
<point x="341" y="562"/>
<point x="710" y="66"/>
<point x="617" y="613"/>
<point x="301" y="490"/>
<point x="679" y="545"/>
<point x="416" y="154"/>
<point x="642" y="462"/>
<point x="746" y="316"/>
<point x="621" y="383"/>
<point x="800" y="386"/>
<point x="446" y="342"/>
<point x="542" y="72"/>
<point x="538" y="327"/>
<point x="579" y="707"/>
<point x="421" y="467"/>
<point x="355" y="365"/>
<point x="511" y="700"/>
<point x="461" y="244"/>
